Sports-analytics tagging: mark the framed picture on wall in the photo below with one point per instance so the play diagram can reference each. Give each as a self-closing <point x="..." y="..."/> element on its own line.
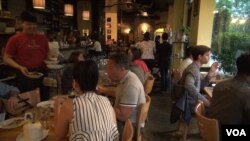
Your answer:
<point x="108" y="25"/>
<point x="109" y="37"/>
<point x="108" y="31"/>
<point x="108" y="19"/>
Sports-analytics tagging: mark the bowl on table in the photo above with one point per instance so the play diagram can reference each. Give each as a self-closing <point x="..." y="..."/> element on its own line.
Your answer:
<point x="53" y="59"/>
<point x="50" y="62"/>
<point x="34" y="75"/>
<point x="55" y="66"/>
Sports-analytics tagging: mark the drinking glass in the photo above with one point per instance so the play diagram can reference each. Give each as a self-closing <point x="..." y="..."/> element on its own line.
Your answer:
<point x="45" y="116"/>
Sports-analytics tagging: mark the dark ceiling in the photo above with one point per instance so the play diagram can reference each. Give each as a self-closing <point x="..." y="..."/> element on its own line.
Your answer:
<point x="139" y="6"/>
<point x="156" y="5"/>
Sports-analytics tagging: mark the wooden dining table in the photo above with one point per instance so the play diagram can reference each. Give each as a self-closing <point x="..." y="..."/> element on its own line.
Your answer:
<point x="11" y="134"/>
<point x="209" y="91"/>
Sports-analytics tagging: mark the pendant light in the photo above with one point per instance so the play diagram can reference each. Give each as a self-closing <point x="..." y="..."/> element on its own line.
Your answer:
<point x="39" y="4"/>
<point x="85" y="15"/>
<point x="68" y="9"/>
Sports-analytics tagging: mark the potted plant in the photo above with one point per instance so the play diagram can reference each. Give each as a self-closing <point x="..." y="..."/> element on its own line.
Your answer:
<point x="185" y="30"/>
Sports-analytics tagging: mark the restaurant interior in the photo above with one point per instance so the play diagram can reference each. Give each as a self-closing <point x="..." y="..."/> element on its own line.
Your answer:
<point x="118" y="25"/>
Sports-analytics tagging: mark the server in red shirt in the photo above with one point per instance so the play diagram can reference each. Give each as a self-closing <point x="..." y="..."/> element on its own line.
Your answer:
<point x="26" y="52"/>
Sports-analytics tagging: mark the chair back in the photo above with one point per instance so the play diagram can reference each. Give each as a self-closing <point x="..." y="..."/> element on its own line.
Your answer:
<point x="128" y="131"/>
<point x="148" y="84"/>
<point x="26" y="100"/>
<point x="176" y="74"/>
<point x="141" y="117"/>
<point x="208" y="127"/>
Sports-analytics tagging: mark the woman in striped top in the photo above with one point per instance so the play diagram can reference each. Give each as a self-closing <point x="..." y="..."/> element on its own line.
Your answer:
<point x="88" y="117"/>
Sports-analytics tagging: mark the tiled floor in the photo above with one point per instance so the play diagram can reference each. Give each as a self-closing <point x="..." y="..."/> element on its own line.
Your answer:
<point x="158" y="127"/>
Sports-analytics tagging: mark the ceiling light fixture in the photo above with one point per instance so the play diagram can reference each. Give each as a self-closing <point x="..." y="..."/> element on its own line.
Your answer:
<point x="85" y="15"/>
<point x="68" y="10"/>
<point x="39" y="4"/>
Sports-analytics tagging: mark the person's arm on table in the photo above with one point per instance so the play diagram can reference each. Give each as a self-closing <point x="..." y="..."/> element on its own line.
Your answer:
<point x="123" y="112"/>
<point x="62" y="124"/>
<point x="127" y="104"/>
<point x="9" y="92"/>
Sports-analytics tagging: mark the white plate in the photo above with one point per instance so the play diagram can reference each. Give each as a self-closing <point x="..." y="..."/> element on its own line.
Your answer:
<point x="11" y="123"/>
<point x="45" y="134"/>
<point x="46" y="104"/>
<point x="35" y="75"/>
<point x="55" y="66"/>
<point x="49" y="62"/>
<point x="53" y="58"/>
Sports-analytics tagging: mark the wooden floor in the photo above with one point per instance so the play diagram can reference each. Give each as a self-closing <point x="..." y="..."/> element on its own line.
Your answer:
<point x="158" y="127"/>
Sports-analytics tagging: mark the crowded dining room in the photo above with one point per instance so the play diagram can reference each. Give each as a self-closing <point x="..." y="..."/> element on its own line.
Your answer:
<point x="124" y="70"/>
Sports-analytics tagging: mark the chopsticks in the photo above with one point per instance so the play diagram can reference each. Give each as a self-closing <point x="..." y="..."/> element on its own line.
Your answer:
<point x="25" y="101"/>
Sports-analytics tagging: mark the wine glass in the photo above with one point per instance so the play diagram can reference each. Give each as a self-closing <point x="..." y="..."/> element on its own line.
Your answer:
<point x="45" y="116"/>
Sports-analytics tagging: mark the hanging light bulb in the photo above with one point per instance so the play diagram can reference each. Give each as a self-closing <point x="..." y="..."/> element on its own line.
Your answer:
<point x="39" y="4"/>
<point x="68" y="10"/>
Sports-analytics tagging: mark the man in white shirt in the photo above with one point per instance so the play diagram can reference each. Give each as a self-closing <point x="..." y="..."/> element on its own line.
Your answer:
<point x="188" y="59"/>
<point x="96" y="45"/>
<point x="129" y="93"/>
<point x="148" y="49"/>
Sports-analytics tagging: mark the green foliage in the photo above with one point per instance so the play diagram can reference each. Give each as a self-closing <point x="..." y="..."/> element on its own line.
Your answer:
<point x="230" y="38"/>
<point x="232" y="42"/>
<point x="185" y="29"/>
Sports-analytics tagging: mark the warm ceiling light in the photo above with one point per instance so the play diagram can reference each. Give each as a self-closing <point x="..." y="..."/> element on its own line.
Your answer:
<point x="144" y="27"/>
<point x="85" y="15"/>
<point x="126" y="30"/>
<point x="85" y="31"/>
<point x="39" y="4"/>
<point x="68" y="10"/>
<point x="145" y="14"/>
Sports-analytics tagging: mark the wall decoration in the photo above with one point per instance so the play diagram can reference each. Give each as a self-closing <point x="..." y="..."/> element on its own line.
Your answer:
<point x="108" y="25"/>
<point x="108" y="19"/>
<point x="108" y="31"/>
<point x="109" y="37"/>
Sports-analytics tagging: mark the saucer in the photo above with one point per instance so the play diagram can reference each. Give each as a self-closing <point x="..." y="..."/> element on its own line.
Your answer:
<point x="55" y="66"/>
<point x="45" y="134"/>
<point x="12" y="123"/>
<point x="46" y="104"/>
<point x="49" y="62"/>
<point x="35" y="75"/>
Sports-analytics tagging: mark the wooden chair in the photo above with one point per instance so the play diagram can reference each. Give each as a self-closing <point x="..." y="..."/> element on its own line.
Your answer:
<point x="148" y="84"/>
<point x="176" y="74"/>
<point x="141" y="117"/>
<point x="128" y="131"/>
<point x="208" y="127"/>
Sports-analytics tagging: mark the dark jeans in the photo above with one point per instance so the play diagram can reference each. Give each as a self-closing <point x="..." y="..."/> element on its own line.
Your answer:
<point x="164" y="70"/>
<point x="150" y="64"/>
<point x="25" y="84"/>
<point x="120" y="126"/>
